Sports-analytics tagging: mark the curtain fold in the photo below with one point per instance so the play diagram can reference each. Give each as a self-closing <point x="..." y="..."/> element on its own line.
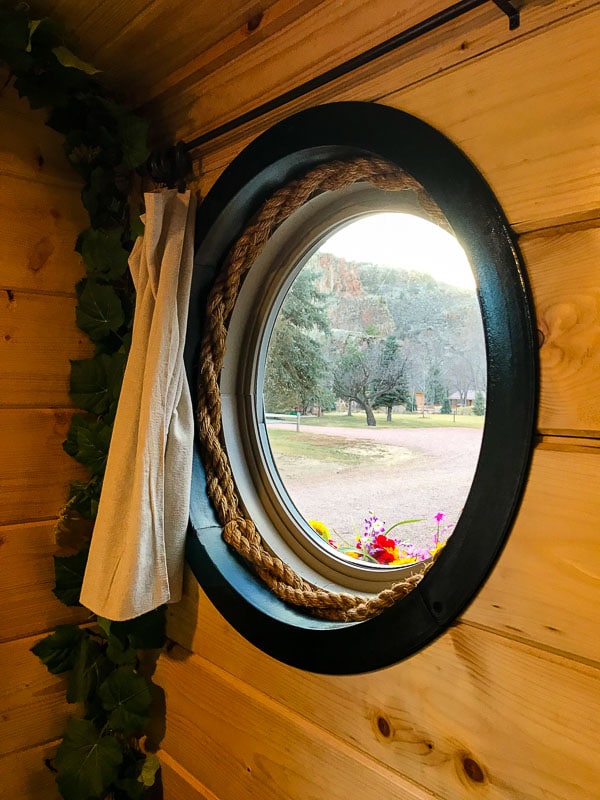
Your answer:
<point x="137" y="551"/>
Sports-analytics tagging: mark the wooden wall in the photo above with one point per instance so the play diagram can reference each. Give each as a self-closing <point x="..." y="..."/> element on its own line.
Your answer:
<point x="40" y="217"/>
<point x="505" y="705"/>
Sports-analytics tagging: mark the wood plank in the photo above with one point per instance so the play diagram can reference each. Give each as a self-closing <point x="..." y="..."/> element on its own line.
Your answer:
<point x="565" y="281"/>
<point x="34" y="470"/>
<point x="546" y="584"/>
<point x="182" y="35"/>
<point x="269" y="21"/>
<point x="241" y="744"/>
<point x="530" y="107"/>
<point x="38" y="336"/>
<point x="29" y="607"/>
<point x="569" y="444"/>
<point x="28" y="148"/>
<point x="305" y="49"/>
<point x="535" y="129"/>
<point x="33" y="708"/>
<point x="147" y="39"/>
<point x="26" y="774"/>
<point x="545" y="587"/>
<point x="178" y="783"/>
<point x="40" y="225"/>
<point x="472" y="714"/>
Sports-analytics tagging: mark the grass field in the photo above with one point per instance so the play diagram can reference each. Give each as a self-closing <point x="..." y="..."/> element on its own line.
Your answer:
<point x="330" y="449"/>
<point x="340" y="419"/>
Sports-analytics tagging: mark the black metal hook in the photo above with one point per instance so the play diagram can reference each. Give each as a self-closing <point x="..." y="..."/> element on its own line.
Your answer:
<point x="511" y="11"/>
<point x="171" y="167"/>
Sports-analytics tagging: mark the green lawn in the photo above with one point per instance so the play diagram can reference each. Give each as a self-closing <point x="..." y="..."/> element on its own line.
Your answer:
<point x="358" y="420"/>
<point x="329" y="449"/>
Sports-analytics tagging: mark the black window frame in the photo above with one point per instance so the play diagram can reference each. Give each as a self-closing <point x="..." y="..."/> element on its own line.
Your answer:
<point x="289" y="149"/>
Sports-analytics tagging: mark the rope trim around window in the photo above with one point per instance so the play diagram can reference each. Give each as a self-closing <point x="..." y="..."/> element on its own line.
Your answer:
<point x="238" y="530"/>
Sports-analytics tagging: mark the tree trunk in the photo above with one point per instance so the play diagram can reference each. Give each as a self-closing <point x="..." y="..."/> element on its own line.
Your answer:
<point x="389" y="414"/>
<point x="371" y="422"/>
<point x="349" y="408"/>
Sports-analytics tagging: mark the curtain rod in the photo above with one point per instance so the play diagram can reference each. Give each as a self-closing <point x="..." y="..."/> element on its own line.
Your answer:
<point x="168" y="167"/>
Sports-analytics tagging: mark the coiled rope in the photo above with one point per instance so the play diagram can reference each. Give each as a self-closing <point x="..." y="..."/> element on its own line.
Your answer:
<point x="238" y="531"/>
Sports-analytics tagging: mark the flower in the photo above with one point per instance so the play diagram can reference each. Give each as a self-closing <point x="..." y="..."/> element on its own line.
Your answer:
<point x="377" y="544"/>
<point x="320" y="528"/>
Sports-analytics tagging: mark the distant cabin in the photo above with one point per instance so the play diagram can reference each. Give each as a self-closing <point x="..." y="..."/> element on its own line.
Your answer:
<point x="460" y="400"/>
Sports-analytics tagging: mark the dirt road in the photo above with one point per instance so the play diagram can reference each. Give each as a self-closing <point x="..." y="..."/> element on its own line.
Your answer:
<point x="417" y="473"/>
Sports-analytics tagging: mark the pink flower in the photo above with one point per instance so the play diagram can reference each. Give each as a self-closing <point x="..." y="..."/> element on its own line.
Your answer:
<point x="439" y="517"/>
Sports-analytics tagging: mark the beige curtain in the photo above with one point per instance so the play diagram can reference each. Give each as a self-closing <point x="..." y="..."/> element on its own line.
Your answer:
<point x="136" y="557"/>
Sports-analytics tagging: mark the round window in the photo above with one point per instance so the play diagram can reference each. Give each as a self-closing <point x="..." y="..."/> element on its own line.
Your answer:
<point x="367" y="330"/>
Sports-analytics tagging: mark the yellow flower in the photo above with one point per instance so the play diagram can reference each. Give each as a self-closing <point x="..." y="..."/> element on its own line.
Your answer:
<point x="436" y="548"/>
<point x="405" y="560"/>
<point x="352" y="554"/>
<point x="319" y="528"/>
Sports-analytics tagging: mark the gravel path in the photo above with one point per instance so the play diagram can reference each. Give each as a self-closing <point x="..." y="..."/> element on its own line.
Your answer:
<point x="418" y="473"/>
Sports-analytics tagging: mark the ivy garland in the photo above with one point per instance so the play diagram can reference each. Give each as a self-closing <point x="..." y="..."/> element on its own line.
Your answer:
<point x="109" y="670"/>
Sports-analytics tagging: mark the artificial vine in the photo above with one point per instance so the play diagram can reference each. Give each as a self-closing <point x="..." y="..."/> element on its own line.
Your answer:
<point x="107" y="663"/>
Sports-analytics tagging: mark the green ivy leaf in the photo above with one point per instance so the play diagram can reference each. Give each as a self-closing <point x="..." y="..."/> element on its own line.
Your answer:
<point x="119" y="652"/>
<point x="115" y="370"/>
<point x="133" y="131"/>
<point x="136" y="227"/>
<point x="68" y="575"/>
<point x="59" y="650"/>
<point x="103" y="253"/>
<point x="43" y="33"/>
<point x="85" y="496"/>
<point x="88" y="441"/>
<point x="126" y="696"/>
<point x="90" y="668"/>
<point x="104" y="625"/>
<point x="149" y="769"/>
<point x="99" y="311"/>
<point x="70" y="444"/>
<point x="147" y="632"/>
<point x="88" y="385"/>
<point x="103" y="201"/>
<point x="69" y="59"/>
<point x="87" y="762"/>
<point x="92" y="446"/>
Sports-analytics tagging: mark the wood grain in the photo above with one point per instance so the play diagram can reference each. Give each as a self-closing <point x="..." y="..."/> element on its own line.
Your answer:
<point x="565" y="281"/>
<point x="536" y="109"/>
<point x="26" y="774"/>
<point x="26" y="564"/>
<point x="38" y="337"/>
<point x="178" y="783"/>
<point x="28" y="148"/>
<point x="242" y="744"/>
<point x="34" y="470"/>
<point x="304" y="50"/>
<point x="40" y="225"/>
<point x="146" y="39"/>
<point x="551" y="127"/>
<point x="472" y="714"/>
<point x="545" y="586"/>
<point x="34" y="709"/>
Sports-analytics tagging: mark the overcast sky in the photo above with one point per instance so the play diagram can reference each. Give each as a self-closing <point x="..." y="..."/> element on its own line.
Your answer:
<point x="404" y="241"/>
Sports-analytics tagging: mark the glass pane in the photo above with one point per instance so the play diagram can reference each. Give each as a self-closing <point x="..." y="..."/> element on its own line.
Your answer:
<point x="375" y="389"/>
